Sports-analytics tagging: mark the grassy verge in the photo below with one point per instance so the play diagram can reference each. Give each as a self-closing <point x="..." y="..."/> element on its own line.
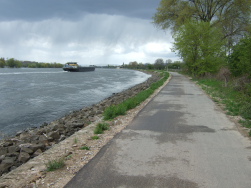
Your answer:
<point x="236" y="103"/>
<point x="120" y="109"/>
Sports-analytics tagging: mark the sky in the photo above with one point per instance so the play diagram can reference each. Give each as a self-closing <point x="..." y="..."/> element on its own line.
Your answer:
<point x="90" y="32"/>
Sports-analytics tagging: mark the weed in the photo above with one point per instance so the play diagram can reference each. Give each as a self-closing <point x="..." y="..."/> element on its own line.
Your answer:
<point x="55" y="164"/>
<point x="95" y="137"/>
<point x="75" y="140"/>
<point x="68" y="157"/>
<point x="100" y="128"/>
<point x="85" y="148"/>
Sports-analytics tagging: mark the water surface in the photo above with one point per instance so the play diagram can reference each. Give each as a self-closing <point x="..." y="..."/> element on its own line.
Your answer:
<point x="30" y="97"/>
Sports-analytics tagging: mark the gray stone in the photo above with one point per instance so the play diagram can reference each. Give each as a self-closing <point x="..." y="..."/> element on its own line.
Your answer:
<point x="38" y="152"/>
<point x="4" y="167"/>
<point x="43" y="138"/>
<point x="14" y="154"/>
<point x="2" y="158"/>
<point x="12" y="149"/>
<point x="23" y="157"/>
<point x="26" y="150"/>
<point x="54" y="135"/>
<point x="35" y="147"/>
<point x="77" y="125"/>
<point x="3" y="150"/>
<point x="8" y="160"/>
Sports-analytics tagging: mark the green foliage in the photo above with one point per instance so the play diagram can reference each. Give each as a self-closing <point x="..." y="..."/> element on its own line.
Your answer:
<point x="240" y="59"/>
<point x="85" y="148"/>
<point x="120" y="109"/>
<point x="201" y="47"/>
<point x="159" y="64"/>
<point x="95" y="137"/>
<point x="175" y="65"/>
<point x="75" y="140"/>
<point x="231" y="17"/>
<point x="101" y="127"/>
<point x="55" y="164"/>
<point x="13" y="63"/>
<point x="2" y="62"/>
<point x="236" y="102"/>
<point x="114" y="111"/>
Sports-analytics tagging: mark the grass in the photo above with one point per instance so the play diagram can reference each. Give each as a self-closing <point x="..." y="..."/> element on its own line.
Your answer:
<point x="120" y="109"/>
<point x="75" y="140"/>
<point x="95" y="137"/>
<point x="236" y="103"/>
<point x="85" y="148"/>
<point x="55" y="164"/>
<point x="101" y="127"/>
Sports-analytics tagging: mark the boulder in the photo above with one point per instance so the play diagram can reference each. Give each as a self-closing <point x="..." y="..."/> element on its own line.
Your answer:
<point x="3" y="150"/>
<point x="77" y="125"/>
<point x="54" y="135"/>
<point x="23" y="157"/>
<point x="2" y="158"/>
<point x="35" y="147"/>
<point x="8" y="160"/>
<point x="26" y="150"/>
<point x="12" y="149"/>
<point x="4" y="167"/>
<point x="38" y="152"/>
<point x="43" y="138"/>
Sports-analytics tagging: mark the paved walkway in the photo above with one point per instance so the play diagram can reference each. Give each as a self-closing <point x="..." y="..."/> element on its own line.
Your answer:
<point x="180" y="139"/>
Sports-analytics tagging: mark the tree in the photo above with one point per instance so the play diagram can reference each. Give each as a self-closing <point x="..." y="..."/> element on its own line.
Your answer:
<point x="2" y="62"/>
<point x="231" y="16"/>
<point x="159" y="64"/>
<point x="133" y="64"/>
<point x="240" y="59"/>
<point x="200" y="46"/>
<point x="176" y="65"/>
<point x="169" y="61"/>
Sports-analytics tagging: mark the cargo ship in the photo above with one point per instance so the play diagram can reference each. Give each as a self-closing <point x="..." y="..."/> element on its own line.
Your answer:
<point x="74" y="67"/>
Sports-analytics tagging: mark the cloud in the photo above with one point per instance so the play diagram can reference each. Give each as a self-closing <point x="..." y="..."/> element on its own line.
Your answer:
<point x="34" y="10"/>
<point x="90" y="33"/>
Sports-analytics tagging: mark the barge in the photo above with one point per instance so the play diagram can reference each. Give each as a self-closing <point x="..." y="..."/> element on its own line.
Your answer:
<point x="74" y="67"/>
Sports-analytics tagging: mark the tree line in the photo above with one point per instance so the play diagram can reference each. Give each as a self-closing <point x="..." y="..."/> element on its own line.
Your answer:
<point x="159" y="64"/>
<point x="13" y="63"/>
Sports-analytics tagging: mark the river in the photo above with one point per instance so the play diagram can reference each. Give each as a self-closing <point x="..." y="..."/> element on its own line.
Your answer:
<point x="29" y="97"/>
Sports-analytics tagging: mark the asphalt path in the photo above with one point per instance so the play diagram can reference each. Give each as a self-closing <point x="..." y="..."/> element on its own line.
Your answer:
<point x="181" y="139"/>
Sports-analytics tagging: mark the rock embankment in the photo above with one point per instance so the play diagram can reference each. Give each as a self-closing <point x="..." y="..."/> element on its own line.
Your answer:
<point x="28" y="144"/>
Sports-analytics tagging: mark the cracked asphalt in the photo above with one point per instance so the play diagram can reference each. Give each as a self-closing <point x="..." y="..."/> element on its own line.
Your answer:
<point x="181" y="139"/>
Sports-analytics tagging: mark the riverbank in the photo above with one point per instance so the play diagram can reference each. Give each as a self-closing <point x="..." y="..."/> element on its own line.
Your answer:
<point x="32" y="143"/>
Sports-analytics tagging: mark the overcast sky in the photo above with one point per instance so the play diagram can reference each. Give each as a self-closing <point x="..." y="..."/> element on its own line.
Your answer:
<point x="90" y="32"/>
